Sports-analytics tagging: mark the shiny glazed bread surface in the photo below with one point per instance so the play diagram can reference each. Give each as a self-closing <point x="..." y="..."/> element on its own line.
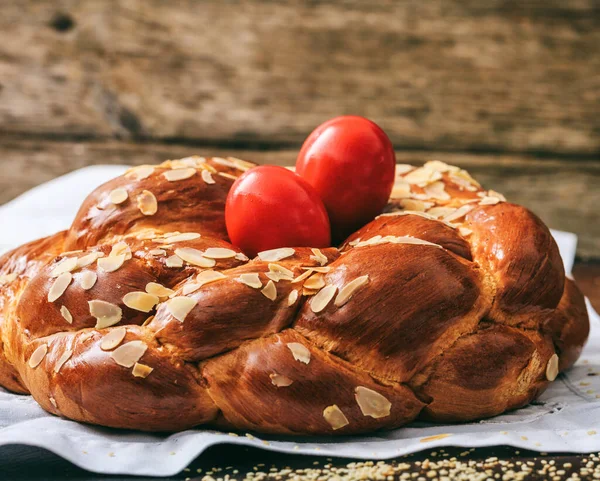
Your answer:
<point x="451" y="306"/>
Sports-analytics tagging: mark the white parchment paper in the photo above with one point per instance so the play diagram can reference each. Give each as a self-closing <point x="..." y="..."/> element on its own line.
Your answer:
<point x="565" y="418"/>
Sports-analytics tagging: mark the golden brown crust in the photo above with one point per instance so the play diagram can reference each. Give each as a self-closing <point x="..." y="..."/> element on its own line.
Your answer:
<point x="447" y="289"/>
<point x="495" y="369"/>
<point x="570" y="325"/>
<point x="516" y="248"/>
<point x="261" y="386"/>
<point x="451" y="306"/>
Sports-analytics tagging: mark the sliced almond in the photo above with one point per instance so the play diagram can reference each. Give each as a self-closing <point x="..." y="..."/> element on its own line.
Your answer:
<point x="159" y="290"/>
<point x="440" y="166"/>
<point x="270" y="291"/>
<point x="205" y="277"/>
<point x="139" y="173"/>
<point x="371" y="403"/>
<point x="251" y="280"/>
<point x="439" y="212"/>
<point x="112" y="263"/>
<point x="179" y="307"/>
<point x="377" y="239"/>
<point x="224" y="162"/>
<point x="38" y="356"/>
<point x="66" y="314"/>
<point x="422" y="176"/>
<point x="210" y="168"/>
<point x="390" y="239"/>
<point x="425" y="215"/>
<point x="186" y="236"/>
<point x="278" y="273"/>
<point x="436" y="190"/>
<point x="113" y="338"/>
<point x="464" y="231"/>
<point x="350" y="289"/>
<point x="227" y="176"/>
<point x="292" y="298"/>
<point x="120" y="248"/>
<point x="335" y="417"/>
<point x="280" y="380"/>
<point x="7" y="278"/>
<point x="129" y="353"/>
<point x="193" y="161"/>
<point x="207" y="177"/>
<point x="241" y="164"/>
<point x="147" y="203"/>
<point x="64" y="358"/>
<point x="106" y="314"/>
<point x="179" y="174"/>
<point x="88" y="280"/>
<point x="118" y="195"/>
<point x="318" y="257"/>
<point x="275" y="255"/>
<point x="240" y="256"/>
<point x="403" y="168"/>
<point x="174" y="261"/>
<point x="299" y="351"/>
<point x="417" y="205"/>
<point x="411" y="240"/>
<point x="219" y="253"/>
<point x="86" y="336"/>
<point x="317" y="281"/>
<point x="493" y="193"/>
<point x="141" y="370"/>
<point x="463" y="179"/>
<point x="146" y="234"/>
<point x="303" y="276"/>
<point x="489" y="200"/>
<point x="140" y="301"/>
<point x="322" y="298"/>
<point x="322" y="270"/>
<point x="89" y="259"/>
<point x="190" y="287"/>
<point x="401" y="190"/>
<point x="552" y="368"/>
<point x="70" y="253"/>
<point x="157" y="252"/>
<point x="59" y="286"/>
<point x="194" y="257"/>
<point x="458" y="213"/>
<point x="68" y="264"/>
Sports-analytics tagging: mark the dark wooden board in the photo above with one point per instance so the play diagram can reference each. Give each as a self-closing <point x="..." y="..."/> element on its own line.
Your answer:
<point x="241" y="463"/>
<point x="564" y="194"/>
<point x="493" y="76"/>
<point x="587" y="276"/>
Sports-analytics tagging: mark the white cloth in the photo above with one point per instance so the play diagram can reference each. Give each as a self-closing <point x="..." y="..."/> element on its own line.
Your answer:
<point x="565" y="418"/>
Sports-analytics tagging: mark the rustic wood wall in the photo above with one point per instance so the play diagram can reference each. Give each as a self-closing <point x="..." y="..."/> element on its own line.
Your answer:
<point x="509" y="89"/>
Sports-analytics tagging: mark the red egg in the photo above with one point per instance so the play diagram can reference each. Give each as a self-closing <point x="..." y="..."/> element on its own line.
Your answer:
<point x="270" y="207"/>
<point x="350" y="162"/>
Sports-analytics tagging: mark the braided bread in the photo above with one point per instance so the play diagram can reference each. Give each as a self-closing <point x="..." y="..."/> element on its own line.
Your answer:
<point x="450" y="306"/>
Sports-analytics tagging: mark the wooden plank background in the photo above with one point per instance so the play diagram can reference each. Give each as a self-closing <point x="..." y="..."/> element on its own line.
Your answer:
<point x="508" y="89"/>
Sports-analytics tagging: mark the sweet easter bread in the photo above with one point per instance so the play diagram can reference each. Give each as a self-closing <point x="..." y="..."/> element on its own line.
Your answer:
<point x="451" y="306"/>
